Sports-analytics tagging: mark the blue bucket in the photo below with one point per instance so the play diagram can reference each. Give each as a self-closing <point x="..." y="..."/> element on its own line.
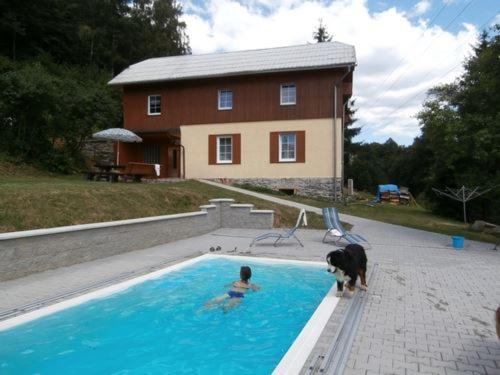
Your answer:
<point x="458" y="242"/>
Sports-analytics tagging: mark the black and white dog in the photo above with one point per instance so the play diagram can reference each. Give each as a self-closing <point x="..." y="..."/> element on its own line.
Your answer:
<point x="346" y="264"/>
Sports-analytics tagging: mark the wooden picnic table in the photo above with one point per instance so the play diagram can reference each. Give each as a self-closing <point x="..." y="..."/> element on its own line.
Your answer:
<point x="113" y="172"/>
<point x="109" y="167"/>
<point x="105" y="171"/>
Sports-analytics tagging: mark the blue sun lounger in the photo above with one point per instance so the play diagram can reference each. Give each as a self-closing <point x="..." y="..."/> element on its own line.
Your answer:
<point x="280" y="236"/>
<point x="334" y="228"/>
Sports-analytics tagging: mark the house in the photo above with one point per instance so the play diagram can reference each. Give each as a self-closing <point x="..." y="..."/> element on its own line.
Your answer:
<point x="272" y="117"/>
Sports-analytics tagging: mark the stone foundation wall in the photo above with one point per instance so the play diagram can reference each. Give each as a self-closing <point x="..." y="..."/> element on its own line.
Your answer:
<point x="27" y="252"/>
<point x="99" y="152"/>
<point x="320" y="187"/>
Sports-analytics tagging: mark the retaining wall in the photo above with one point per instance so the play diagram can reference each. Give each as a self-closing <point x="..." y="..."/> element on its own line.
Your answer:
<point x="27" y="252"/>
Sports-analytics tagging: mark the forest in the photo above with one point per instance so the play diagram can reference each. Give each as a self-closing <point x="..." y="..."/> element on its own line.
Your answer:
<point x="56" y="57"/>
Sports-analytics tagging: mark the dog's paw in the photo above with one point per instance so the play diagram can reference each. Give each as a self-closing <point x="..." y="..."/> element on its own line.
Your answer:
<point x="340" y="294"/>
<point x="364" y="287"/>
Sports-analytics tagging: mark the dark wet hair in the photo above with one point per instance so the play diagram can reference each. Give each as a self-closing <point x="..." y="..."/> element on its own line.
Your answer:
<point x="245" y="273"/>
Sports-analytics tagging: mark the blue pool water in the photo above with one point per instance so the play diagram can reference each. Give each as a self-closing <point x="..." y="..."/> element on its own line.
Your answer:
<point x="160" y="326"/>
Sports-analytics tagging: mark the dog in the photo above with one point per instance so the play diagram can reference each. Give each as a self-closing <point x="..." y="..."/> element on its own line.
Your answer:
<point x="346" y="264"/>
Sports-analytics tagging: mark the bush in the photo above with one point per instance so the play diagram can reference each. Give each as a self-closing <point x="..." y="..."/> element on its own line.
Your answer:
<point x="47" y="111"/>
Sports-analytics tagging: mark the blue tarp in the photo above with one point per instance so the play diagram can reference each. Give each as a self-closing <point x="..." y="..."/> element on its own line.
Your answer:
<point x="384" y="188"/>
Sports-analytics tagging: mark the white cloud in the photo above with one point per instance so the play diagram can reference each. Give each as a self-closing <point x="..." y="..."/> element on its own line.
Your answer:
<point x="421" y="7"/>
<point x="496" y="20"/>
<point x="385" y="41"/>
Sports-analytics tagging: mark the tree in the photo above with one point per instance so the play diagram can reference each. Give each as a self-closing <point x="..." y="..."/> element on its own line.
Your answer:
<point x="321" y="34"/>
<point x="376" y="163"/>
<point x="56" y="57"/>
<point x="460" y="141"/>
<point x="350" y="131"/>
<point x="110" y="35"/>
<point x="47" y="111"/>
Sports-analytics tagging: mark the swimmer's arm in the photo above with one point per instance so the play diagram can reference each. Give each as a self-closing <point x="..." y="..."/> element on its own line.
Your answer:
<point x="255" y="287"/>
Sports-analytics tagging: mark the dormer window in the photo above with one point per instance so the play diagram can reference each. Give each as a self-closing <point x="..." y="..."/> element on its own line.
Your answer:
<point x="154" y="105"/>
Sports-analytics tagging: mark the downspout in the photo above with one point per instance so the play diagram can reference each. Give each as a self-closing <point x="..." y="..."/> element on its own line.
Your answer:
<point x="183" y="161"/>
<point x="336" y="84"/>
<point x="343" y="139"/>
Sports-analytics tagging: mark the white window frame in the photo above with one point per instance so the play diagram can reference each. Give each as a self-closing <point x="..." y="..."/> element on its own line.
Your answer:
<point x="218" y="100"/>
<point x="280" y="158"/>
<point x="281" y="93"/>
<point x="219" y="161"/>
<point x="149" y="105"/>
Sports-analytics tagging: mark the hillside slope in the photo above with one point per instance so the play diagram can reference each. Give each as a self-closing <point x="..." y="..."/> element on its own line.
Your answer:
<point x="31" y="199"/>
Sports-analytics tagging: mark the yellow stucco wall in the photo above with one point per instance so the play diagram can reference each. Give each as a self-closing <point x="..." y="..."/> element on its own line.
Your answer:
<point x="255" y="149"/>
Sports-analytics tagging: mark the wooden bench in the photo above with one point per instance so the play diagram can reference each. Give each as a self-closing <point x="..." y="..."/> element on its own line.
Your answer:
<point x="136" y="171"/>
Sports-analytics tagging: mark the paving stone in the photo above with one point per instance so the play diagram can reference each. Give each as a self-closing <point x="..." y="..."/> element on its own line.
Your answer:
<point x="422" y="360"/>
<point x="448" y="364"/>
<point x="432" y="369"/>
<point x="351" y="371"/>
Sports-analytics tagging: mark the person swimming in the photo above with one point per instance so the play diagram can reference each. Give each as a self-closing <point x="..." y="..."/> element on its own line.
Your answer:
<point x="234" y="296"/>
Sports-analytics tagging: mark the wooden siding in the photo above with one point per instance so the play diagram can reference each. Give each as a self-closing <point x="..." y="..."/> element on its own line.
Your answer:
<point x="255" y="98"/>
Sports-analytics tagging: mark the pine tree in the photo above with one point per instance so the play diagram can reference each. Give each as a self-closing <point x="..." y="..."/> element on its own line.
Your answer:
<point x="321" y="34"/>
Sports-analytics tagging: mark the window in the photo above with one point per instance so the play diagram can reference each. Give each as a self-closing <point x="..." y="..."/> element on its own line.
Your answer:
<point x="287" y="147"/>
<point x="154" y="105"/>
<point x="152" y="153"/>
<point x="288" y="94"/>
<point x="225" y="99"/>
<point x="224" y="149"/>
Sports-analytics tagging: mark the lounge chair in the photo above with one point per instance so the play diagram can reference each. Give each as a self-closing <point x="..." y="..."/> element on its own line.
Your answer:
<point x="335" y="229"/>
<point x="280" y="236"/>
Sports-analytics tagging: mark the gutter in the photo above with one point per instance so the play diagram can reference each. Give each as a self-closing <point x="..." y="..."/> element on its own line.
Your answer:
<point x="335" y="86"/>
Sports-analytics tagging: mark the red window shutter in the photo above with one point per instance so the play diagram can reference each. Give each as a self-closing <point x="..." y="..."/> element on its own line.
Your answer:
<point x="212" y="149"/>
<point x="274" y="147"/>
<point x="236" y="148"/>
<point x="300" y="136"/>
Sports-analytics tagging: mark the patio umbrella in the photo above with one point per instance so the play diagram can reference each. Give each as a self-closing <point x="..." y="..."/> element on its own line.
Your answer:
<point x="119" y="135"/>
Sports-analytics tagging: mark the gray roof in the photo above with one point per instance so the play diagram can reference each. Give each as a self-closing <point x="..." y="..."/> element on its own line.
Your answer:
<point x="302" y="57"/>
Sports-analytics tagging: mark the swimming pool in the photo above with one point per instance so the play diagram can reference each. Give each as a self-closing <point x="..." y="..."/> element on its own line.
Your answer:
<point x="157" y="324"/>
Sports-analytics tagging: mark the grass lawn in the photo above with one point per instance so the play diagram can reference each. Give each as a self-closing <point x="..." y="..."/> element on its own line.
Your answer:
<point x="409" y="216"/>
<point x="30" y="199"/>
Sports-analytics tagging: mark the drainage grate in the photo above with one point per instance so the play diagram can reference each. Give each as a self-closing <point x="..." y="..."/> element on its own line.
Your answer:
<point x="334" y="360"/>
<point x="90" y="287"/>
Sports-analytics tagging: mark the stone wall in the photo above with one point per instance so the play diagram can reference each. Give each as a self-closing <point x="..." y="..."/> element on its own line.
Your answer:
<point x="99" y="152"/>
<point x="320" y="187"/>
<point x="27" y="252"/>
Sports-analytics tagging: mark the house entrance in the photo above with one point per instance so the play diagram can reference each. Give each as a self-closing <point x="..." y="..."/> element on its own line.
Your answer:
<point x="173" y="161"/>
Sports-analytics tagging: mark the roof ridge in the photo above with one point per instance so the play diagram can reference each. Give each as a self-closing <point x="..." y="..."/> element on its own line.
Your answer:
<point x="246" y="50"/>
<point x="256" y="61"/>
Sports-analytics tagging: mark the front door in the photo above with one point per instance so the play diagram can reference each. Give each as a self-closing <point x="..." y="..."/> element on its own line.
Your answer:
<point x="173" y="164"/>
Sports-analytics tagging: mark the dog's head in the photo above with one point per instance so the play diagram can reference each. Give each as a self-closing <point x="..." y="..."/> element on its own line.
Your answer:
<point x="336" y="259"/>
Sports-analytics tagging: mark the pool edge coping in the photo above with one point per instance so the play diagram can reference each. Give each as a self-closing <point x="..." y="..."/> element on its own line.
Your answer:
<point x="290" y="363"/>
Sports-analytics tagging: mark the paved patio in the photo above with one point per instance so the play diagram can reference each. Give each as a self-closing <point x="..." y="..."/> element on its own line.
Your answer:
<point x="429" y="309"/>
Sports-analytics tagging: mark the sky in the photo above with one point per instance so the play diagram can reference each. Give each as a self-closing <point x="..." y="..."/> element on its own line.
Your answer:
<point x="403" y="47"/>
